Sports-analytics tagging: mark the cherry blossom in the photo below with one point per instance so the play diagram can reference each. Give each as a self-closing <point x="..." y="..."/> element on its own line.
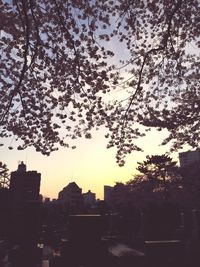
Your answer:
<point x="57" y="70"/>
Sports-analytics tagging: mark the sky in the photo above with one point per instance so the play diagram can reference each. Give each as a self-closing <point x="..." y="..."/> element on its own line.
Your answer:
<point x="91" y="165"/>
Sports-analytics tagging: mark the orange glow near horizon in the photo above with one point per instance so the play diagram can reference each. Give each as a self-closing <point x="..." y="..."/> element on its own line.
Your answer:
<point x="91" y="165"/>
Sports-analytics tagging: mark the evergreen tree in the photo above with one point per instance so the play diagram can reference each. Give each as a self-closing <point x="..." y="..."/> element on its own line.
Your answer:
<point x="158" y="168"/>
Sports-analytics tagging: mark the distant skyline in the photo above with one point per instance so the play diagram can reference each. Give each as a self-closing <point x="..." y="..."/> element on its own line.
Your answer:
<point x="90" y="165"/>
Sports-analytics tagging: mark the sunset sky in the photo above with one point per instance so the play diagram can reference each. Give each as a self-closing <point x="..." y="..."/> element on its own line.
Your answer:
<point x="90" y="165"/>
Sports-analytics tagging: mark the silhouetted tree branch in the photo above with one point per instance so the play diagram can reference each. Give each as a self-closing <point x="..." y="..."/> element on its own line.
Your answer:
<point x="56" y="71"/>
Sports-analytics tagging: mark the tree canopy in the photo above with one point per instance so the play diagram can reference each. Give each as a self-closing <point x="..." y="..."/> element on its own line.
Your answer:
<point x="157" y="167"/>
<point x="57" y="67"/>
<point x="4" y="176"/>
<point x="160" y="181"/>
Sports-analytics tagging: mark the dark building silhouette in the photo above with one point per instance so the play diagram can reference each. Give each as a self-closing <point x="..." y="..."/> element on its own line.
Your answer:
<point x="24" y="192"/>
<point x="25" y="185"/>
<point x="108" y="190"/>
<point x="89" y="198"/>
<point x="189" y="157"/>
<point x="71" y="197"/>
<point x="5" y="213"/>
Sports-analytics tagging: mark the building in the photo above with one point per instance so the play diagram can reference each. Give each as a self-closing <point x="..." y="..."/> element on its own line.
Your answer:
<point x="25" y="185"/>
<point x="189" y="157"/>
<point x="26" y="201"/>
<point x="107" y="193"/>
<point x="89" y="198"/>
<point x="5" y="210"/>
<point x="71" y="196"/>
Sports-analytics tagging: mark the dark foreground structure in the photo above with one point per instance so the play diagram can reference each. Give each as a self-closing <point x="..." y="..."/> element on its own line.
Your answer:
<point x="93" y="241"/>
<point x="35" y="234"/>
